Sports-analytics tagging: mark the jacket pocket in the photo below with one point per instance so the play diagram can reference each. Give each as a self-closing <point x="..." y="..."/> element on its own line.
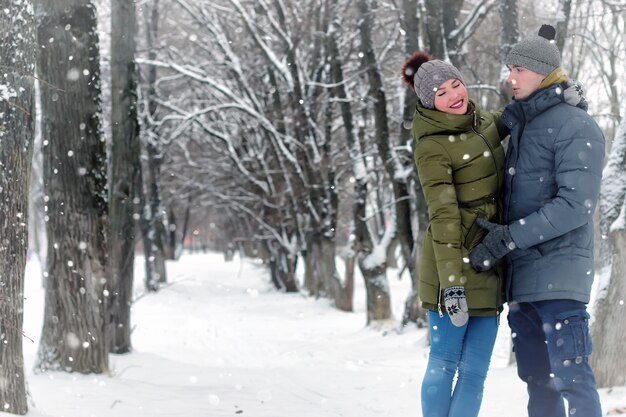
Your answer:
<point x="573" y="341"/>
<point x="473" y="235"/>
<point x="530" y="254"/>
<point x="561" y="246"/>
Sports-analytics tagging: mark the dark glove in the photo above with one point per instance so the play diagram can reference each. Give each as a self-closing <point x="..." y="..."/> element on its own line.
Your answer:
<point x="456" y="305"/>
<point x="495" y="245"/>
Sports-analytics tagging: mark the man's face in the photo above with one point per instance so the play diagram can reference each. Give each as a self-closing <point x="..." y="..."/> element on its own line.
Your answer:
<point x="523" y="81"/>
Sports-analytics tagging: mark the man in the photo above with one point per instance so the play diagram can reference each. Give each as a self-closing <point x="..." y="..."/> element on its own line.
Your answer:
<point x="553" y="169"/>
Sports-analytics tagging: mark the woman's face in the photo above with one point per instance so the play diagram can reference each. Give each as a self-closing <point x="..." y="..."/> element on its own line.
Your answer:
<point x="451" y="97"/>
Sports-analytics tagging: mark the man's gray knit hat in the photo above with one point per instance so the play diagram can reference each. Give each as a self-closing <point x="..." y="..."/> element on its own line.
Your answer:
<point x="537" y="53"/>
<point x="430" y="76"/>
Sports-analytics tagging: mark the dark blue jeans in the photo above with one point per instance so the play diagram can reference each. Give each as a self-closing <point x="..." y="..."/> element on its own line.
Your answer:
<point x="552" y="347"/>
<point x="465" y="351"/>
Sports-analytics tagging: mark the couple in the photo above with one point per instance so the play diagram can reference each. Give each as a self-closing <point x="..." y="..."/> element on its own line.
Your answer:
<point x="515" y="228"/>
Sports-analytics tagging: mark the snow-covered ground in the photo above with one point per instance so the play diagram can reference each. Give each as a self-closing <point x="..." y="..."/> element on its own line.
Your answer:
<point x="218" y="341"/>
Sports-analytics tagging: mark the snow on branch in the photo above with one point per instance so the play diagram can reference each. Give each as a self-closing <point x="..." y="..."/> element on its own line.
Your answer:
<point x="274" y="23"/>
<point x="188" y="118"/>
<point x="236" y="103"/>
<point x="473" y="21"/>
<point x="213" y="25"/>
<point x="378" y="255"/>
<point x="7" y="93"/>
<point x="269" y="54"/>
<point x="280" y="140"/>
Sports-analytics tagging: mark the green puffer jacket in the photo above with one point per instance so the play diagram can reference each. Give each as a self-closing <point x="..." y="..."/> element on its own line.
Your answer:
<point x="460" y="161"/>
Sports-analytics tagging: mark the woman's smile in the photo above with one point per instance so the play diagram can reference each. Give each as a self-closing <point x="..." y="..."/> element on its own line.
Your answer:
<point x="458" y="104"/>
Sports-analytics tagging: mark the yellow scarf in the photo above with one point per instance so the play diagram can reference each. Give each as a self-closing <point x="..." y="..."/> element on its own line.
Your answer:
<point x="555" y="77"/>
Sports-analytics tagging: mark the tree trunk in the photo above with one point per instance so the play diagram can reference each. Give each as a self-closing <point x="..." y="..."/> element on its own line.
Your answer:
<point x="76" y="312"/>
<point x="564" y="11"/>
<point x="153" y="230"/>
<point x="17" y="46"/>
<point x="373" y="270"/>
<point x="363" y="243"/>
<point x="124" y="170"/>
<point x="321" y="266"/>
<point x="439" y="21"/>
<point x="345" y="303"/>
<point x="413" y="311"/>
<point x="509" y="36"/>
<point x="282" y="268"/>
<point x="392" y="260"/>
<point x="377" y="289"/>
<point x="313" y="277"/>
<point x="183" y="233"/>
<point x="608" y="360"/>
<point x="433" y="23"/>
<point x="151" y="281"/>
<point x="451" y="9"/>
<point x="378" y="304"/>
<point x="172" y="240"/>
<point x="156" y="217"/>
<point x="608" y="328"/>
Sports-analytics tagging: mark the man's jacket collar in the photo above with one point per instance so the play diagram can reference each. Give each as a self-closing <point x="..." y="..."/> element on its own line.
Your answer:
<point x="524" y="111"/>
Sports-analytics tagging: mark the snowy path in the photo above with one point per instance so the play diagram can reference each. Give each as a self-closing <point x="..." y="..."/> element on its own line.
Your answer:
<point x="219" y="342"/>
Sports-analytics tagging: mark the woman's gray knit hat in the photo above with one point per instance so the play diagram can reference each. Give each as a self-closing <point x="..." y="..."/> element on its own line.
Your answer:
<point x="429" y="78"/>
<point x="537" y="53"/>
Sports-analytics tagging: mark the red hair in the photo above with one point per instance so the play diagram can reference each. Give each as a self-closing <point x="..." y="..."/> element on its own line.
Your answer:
<point x="411" y="65"/>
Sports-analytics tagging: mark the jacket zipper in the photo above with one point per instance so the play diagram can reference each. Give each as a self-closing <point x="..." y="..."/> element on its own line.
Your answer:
<point x="493" y="156"/>
<point x="439" y="297"/>
<point x="495" y="164"/>
<point x="499" y="294"/>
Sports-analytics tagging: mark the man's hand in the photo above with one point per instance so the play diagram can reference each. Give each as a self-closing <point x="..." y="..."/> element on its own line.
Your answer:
<point x="495" y="245"/>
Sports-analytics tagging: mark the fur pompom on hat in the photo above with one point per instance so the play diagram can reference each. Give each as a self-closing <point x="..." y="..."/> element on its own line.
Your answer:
<point x="537" y="53"/>
<point x="425" y="75"/>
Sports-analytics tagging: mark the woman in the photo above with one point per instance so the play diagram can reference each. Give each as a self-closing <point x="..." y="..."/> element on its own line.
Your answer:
<point x="460" y="162"/>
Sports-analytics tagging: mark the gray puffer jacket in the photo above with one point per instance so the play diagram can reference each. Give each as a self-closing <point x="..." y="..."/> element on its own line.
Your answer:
<point x="552" y="180"/>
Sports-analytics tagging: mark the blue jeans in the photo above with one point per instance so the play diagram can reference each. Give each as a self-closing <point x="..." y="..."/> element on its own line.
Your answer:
<point x="464" y="350"/>
<point x="552" y="347"/>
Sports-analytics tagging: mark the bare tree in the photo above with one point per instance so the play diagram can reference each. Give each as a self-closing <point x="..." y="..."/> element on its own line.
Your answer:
<point x="446" y="36"/>
<point x="563" y="18"/>
<point x="598" y="35"/>
<point x="74" y="330"/>
<point x="362" y="239"/>
<point x="17" y="43"/>
<point x="318" y="188"/>
<point x="287" y="158"/>
<point x="152" y="221"/>
<point x="410" y="22"/>
<point x="608" y="327"/>
<point x="124" y="169"/>
<point x="373" y="266"/>
<point x="605" y="44"/>
<point x="509" y="35"/>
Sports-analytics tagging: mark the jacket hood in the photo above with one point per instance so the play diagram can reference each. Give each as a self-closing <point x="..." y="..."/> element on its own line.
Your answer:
<point x="557" y="76"/>
<point x="428" y="122"/>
